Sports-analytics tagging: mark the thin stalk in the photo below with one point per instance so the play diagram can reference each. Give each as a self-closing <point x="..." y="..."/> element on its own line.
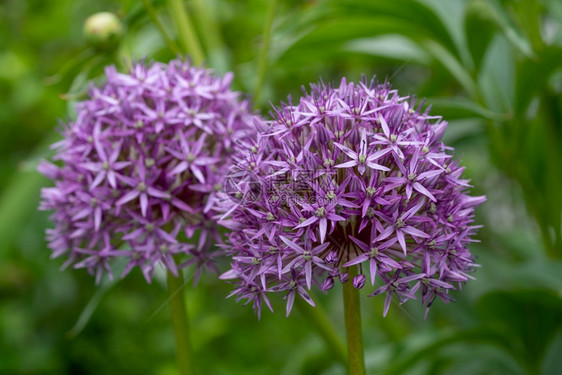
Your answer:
<point x="262" y="59"/>
<point x="186" y="31"/>
<point x="352" y="311"/>
<point x="154" y="17"/>
<point x="317" y="317"/>
<point x="122" y="60"/>
<point x="180" y="323"/>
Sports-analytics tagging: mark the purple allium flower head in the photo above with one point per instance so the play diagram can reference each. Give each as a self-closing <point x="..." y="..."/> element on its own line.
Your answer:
<point x="353" y="176"/>
<point x="139" y="169"/>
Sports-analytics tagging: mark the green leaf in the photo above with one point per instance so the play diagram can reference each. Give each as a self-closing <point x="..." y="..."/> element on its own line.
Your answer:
<point x="451" y="14"/>
<point x="414" y="13"/>
<point x="496" y="14"/>
<point x="105" y="286"/>
<point x="552" y="362"/>
<point x="413" y="354"/>
<point x="479" y="29"/>
<point x="527" y="319"/>
<point x="395" y="47"/>
<point x="554" y="14"/>
<point x="528" y="14"/>
<point x="20" y="199"/>
<point x="334" y="23"/>
<point x="533" y="75"/>
<point x="89" y="310"/>
<point x="459" y="107"/>
<point x="496" y="79"/>
<point x="454" y="67"/>
<point x="331" y="35"/>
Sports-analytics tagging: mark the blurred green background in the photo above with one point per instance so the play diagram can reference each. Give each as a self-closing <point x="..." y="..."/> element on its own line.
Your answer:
<point x="492" y="68"/>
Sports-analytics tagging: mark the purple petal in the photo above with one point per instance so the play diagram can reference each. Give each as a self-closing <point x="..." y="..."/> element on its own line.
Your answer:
<point x="373" y="270"/>
<point x="387" y="301"/>
<point x="143" y="203"/>
<point x="348" y="164"/>
<point x="290" y="301"/>
<point x="322" y="227"/>
<point x="308" y="274"/>
<point x="181" y="167"/>
<point x="377" y="166"/>
<point x="128" y="197"/>
<point x="419" y="187"/>
<point x="358" y="259"/>
<point x="401" y="240"/>
<point x="414" y="232"/>
<point x="307" y="222"/>
<point x="292" y="245"/>
<point x="361" y="244"/>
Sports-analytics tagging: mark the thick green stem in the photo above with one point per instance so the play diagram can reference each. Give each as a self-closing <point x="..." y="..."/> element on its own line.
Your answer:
<point x="186" y="31"/>
<point x="181" y="324"/>
<point x="352" y="310"/>
<point x="317" y="317"/>
<point x="262" y="59"/>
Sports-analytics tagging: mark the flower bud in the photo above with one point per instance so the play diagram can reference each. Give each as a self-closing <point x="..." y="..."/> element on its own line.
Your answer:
<point x="103" y="30"/>
<point x="359" y="281"/>
<point x="332" y="257"/>
<point x="328" y="283"/>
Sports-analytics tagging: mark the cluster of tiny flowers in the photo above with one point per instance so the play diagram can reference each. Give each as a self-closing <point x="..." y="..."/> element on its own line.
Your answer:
<point x="138" y="172"/>
<point x="353" y="176"/>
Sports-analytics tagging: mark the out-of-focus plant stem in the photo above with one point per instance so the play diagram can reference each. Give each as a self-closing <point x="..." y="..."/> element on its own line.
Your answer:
<point x="262" y="59"/>
<point x="154" y="17"/>
<point x="217" y="54"/>
<point x="181" y="324"/>
<point x="186" y="31"/>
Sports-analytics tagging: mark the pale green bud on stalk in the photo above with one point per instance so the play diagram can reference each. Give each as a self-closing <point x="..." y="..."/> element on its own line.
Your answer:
<point x="103" y="30"/>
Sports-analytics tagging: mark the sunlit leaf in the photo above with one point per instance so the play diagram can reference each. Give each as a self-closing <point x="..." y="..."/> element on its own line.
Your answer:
<point x="340" y="22"/>
<point x="459" y="107"/>
<point x="389" y="46"/>
<point x="453" y="65"/>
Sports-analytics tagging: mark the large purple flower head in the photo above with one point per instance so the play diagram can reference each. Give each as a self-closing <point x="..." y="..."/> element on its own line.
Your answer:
<point x="138" y="170"/>
<point x="353" y="176"/>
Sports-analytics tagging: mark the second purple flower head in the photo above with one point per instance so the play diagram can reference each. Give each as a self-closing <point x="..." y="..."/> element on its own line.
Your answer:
<point x="137" y="172"/>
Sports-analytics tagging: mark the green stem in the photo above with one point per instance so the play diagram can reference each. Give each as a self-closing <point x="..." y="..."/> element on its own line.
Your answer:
<point x="262" y="59"/>
<point x="154" y="17"/>
<point x="352" y="310"/>
<point x="317" y="317"/>
<point x="180" y="322"/>
<point x="186" y="31"/>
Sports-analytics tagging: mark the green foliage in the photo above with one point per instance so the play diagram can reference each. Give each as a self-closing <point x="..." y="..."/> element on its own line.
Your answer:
<point x="493" y="68"/>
